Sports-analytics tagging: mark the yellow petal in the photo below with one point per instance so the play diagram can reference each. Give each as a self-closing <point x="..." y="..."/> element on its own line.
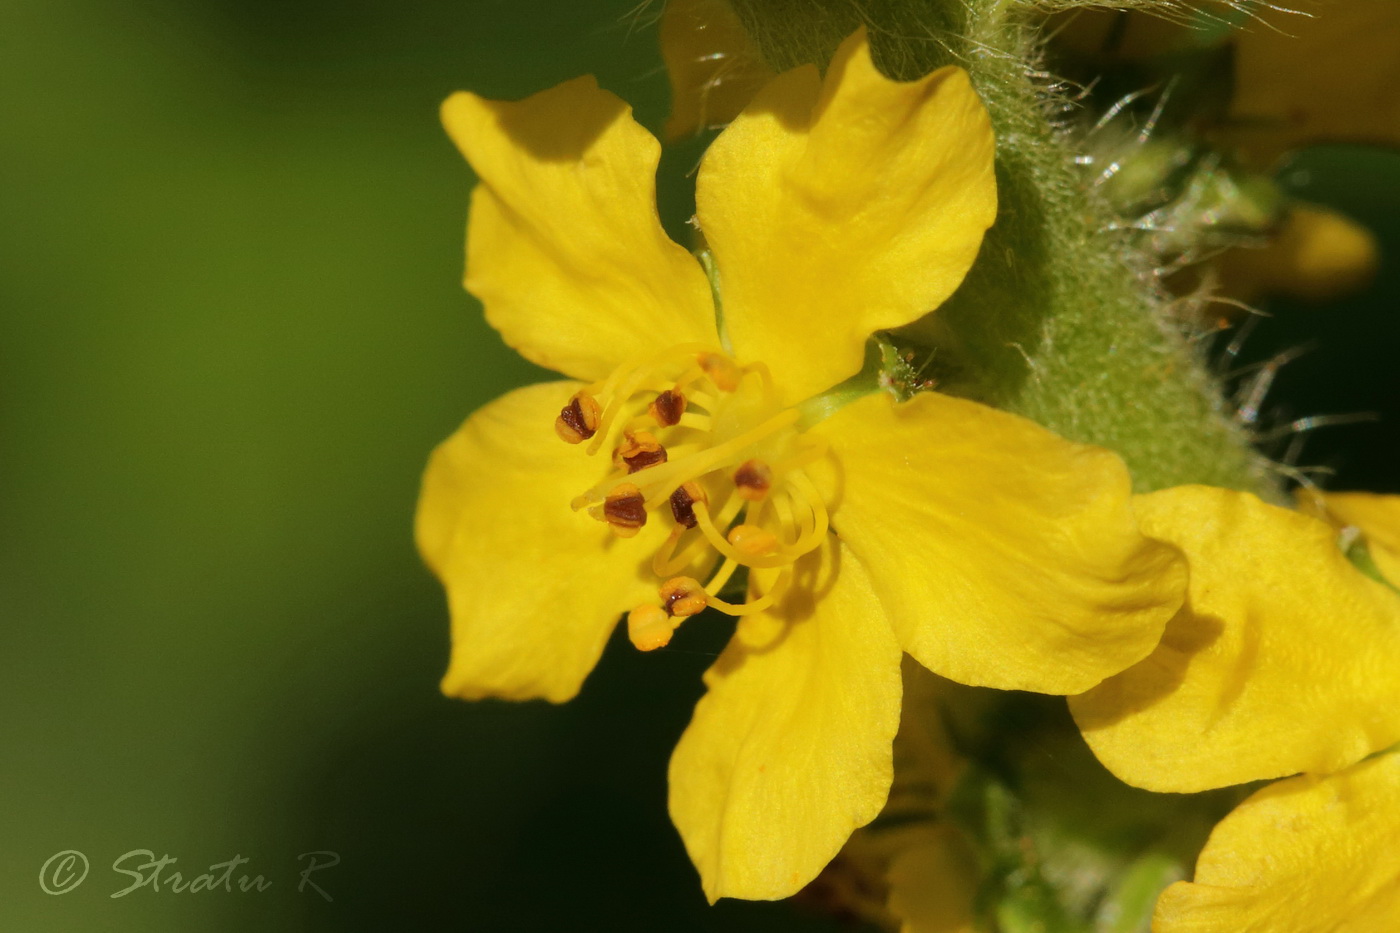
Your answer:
<point x="1005" y="556"/>
<point x="713" y="66"/>
<point x="534" y="588"/>
<point x="1317" y="255"/>
<point x="1329" y="77"/>
<point x="1306" y="855"/>
<point x="933" y="883"/>
<point x="1284" y="659"/>
<point x="1377" y="517"/>
<point x="564" y="246"/>
<point x="789" y="751"/>
<point x="842" y="207"/>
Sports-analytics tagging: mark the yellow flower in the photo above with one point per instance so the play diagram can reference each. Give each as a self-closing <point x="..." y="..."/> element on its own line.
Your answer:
<point x="1305" y="855"/>
<point x="1327" y="75"/>
<point x="1316" y="254"/>
<point x="1284" y="659"/>
<point x="1375" y="517"/>
<point x="992" y="551"/>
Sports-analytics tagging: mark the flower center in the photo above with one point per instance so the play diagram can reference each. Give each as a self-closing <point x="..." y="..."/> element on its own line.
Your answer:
<point x="703" y="442"/>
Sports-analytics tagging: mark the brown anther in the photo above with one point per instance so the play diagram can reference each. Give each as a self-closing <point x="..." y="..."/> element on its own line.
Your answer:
<point x="753" y="478"/>
<point x="649" y="627"/>
<point x="639" y="451"/>
<point x="683" y="596"/>
<point x="625" y="510"/>
<point x="578" y="420"/>
<point x="753" y="541"/>
<point x="721" y="369"/>
<point x="683" y="503"/>
<point x="667" y="408"/>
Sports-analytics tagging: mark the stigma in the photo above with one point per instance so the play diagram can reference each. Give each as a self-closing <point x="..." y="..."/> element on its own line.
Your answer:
<point x="699" y="442"/>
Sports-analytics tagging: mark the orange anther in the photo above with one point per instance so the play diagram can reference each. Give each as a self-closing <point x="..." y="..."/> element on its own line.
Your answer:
<point x="639" y="451"/>
<point x="753" y="541"/>
<point x="683" y="596"/>
<point x="723" y="371"/>
<point x="578" y="420"/>
<point x="649" y="627"/>
<point x="625" y="510"/>
<point x="753" y="478"/>
<point x="667" y="408"/>
<point x="683" y="503"/>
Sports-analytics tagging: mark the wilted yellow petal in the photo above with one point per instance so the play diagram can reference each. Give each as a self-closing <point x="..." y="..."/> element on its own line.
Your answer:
<point x="714" y="68"/>
<point x="1285" y="658"/>
<point x="564" y="246"/>
<point x="1377" y="517"/>
<point x="1327" y="77"/>
<point x="836" y="208"/>
<point x="789" y="751"/>
<point x="533" y="587"/>
<point x="1005" y="556"/>
<point x="933" y="883"/>
<point x="1306" y="855"/>
<point x="1317" y="255"/>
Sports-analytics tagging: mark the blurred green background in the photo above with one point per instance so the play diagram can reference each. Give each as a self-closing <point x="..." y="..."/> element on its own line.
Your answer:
<point x="232" y="329"/>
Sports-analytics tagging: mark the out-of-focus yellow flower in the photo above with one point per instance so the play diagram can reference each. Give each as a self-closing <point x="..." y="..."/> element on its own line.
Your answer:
<point x="1328" y="75"/>
<point x="713" y="66"/>
<point x="1306" y="855"/>
<point x="992" y="551"/>
<point x="933" y="882"/>
<point x="1323" y="74"/>
<point x="1316" y="255"/>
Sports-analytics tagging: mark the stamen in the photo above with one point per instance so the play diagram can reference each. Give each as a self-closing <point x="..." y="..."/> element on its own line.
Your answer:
<point x="667" y="563"/>
<point x="752" y="541"/>
<point x="667" y="408"/>
<point x="680" y="471"/>
<point x="755" y="605"/>
<point x="719" y="416"/>
<point x="683" y="596"/>
<point x="649" y="627"/>
<point x="721" y="369"/>
<point x="683" y="503"/>
<point x="625" y="510"/>
<point x="639" y="451"/>
<point x="754" y="478"/>
<point x="719" y="543"/>
<point x="578" y="420"/>
<point x="628" y="378"/>
<point x="721" y="577"/>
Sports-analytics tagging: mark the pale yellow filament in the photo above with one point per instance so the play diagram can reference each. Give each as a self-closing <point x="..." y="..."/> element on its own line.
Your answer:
<point x="755" y="605"/>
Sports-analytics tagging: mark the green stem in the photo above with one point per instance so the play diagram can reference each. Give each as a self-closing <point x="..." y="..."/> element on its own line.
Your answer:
<point x="1059" y="319"/>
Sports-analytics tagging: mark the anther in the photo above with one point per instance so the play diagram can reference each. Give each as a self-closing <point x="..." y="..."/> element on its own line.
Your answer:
<point x="649" y="627"/>
<point x="753" y="541"/>
<point x="753" y="478"/>
<point x="683" y="503"/>
<point x="683" y="596"/>
<point x="578" y="420"/>
<point x="639" y="451"/>
<point x="625" y="510"/>
<point x="667" y="408"/>
<point x="723" y="372"/>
